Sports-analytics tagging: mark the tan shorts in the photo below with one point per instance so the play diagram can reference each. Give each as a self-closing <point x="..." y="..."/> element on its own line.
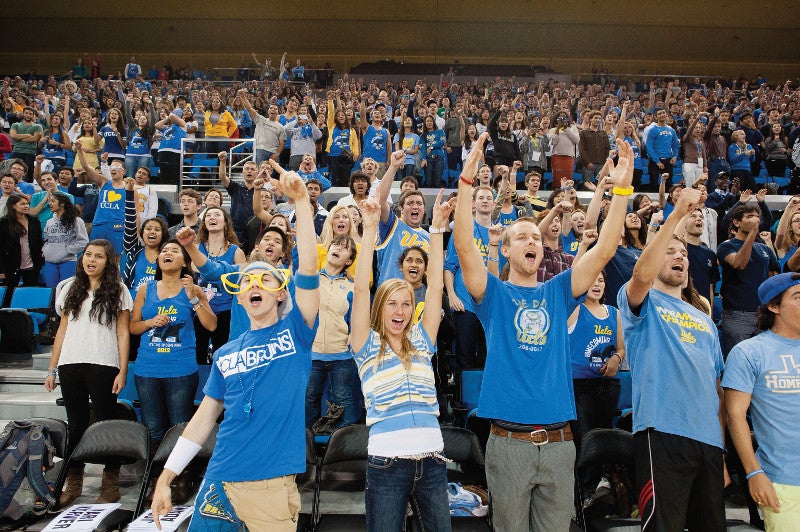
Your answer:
<point x="788" y="519"/>
<point x="272" y="504"/>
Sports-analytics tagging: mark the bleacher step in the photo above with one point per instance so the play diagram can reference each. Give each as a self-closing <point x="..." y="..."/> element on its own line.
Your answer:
<point x="20" y="405"/>
<point x="41" y="361"/>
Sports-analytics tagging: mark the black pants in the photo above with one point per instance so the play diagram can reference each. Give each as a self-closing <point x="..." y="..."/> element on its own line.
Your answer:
<point x="746" y="181"/>
<point x="79" y="383"/>
<point x="219" y="337"/>
<point x="679" y="481"/>
<point x="655" y="174"/>
<point x="339" y="171"/>
<point x="470" y="340"/>
<point x="29" y="278"/>
<point x="169" y="167"/>
<point x="595" y="404"/>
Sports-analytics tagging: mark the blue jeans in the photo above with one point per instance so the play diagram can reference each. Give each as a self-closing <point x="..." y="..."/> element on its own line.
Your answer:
<point x="262" y="155"/>
<point x="391" y="482"/>
<point x="166" y="402"/>
<point x="434" y="168"/>
<point x="133" y="162"/>
<point x="737" y="325"/>
<point x="342" y="374"/>
<point x="55" y="272"/>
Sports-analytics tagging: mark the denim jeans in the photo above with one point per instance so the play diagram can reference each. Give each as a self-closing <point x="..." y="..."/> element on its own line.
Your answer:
<point x="434" y="169"/>
<point x="737" y="325"/>
<point x="409" y="170"/>
<point x="391" y="482"/>
<point x="470" y="340"/>
<point x="262" y="155"/>
<point x="55" y="272"/>
<point x="342" y="374"/>
<point x="166" y="401"/>
<point x="133" y="162"/>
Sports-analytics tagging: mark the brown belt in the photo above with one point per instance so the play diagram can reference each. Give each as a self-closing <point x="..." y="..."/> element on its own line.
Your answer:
<point x="537" y="437"/>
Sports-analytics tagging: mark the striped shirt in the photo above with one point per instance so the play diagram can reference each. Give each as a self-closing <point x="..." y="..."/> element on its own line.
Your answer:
<point x="397" y="398"/>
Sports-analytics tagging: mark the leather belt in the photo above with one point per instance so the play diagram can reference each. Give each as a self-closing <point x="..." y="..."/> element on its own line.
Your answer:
<point x="536" y="437"/>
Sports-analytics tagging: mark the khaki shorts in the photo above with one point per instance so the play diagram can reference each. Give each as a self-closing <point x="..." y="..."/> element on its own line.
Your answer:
<point x="261" y="505"/>
<point x="788" y="519"/>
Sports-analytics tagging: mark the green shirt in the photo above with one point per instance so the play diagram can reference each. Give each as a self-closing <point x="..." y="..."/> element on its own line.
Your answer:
<point x="21" y="128"/>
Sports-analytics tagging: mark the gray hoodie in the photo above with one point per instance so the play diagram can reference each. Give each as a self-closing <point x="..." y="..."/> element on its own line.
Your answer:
<point x="62" y="244"/>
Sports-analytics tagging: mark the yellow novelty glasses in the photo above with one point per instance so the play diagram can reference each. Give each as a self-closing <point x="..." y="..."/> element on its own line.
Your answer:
<point x="238" y="282"/>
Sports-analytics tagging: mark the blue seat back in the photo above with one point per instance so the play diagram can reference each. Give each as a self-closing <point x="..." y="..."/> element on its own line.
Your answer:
<point x="29" y="297"/>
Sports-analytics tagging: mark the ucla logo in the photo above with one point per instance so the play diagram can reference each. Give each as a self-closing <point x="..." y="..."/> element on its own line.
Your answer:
<point x="532" y="325"/>
<point x="602" y="330"/>
<point x="786" y="379"/>
<point x="688" y="337"/>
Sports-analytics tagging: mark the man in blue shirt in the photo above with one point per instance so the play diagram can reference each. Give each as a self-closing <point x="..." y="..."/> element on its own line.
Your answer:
<point x="762" y="375"/>
<point x="678" y="431"/>
<point x="662" y="148"/>
<point x="527" y="383"/>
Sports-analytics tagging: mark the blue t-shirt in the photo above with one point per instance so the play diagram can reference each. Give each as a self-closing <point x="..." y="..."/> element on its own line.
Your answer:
<point x="410" y="140"/>
<point x="171" y="139"/>
<point x="452" y="264"/>
<point x="395" y="235"/>
<point x="375" y="142"/>
<point x="619" y="270"/>
<point x="53" y="151"/>
<point x="768" y="368"/>
<point x="111" y="206"/>
<point x="738" y="289"/>
<point x="528" y="377"/>
<point x="143" y="272"/>
<point x="284" y="120"/>
<point x="137" y="144"/>
<point x="570" y="243"/>
<point x="340" y="139"/>
<point x="218" y="299"/>
<point x="169" y="350"/>
<point x="789" y="254"/>
<point x="112" y="145"/>
<point x="675" y="360"/>
<point x="261" y="378"/>
<point x="592" y="342"/>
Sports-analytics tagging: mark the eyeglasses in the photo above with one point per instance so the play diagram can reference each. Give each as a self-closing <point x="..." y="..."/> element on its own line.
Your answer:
<point x="239" y="282"/>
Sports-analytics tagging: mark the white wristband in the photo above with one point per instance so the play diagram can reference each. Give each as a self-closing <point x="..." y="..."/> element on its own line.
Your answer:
<point x="182" y="454"/>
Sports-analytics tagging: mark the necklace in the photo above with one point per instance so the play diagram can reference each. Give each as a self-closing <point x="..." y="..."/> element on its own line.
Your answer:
<point x="248" y="406"/>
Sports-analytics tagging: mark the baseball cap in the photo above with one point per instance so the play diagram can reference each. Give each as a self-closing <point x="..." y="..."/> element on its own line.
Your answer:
<point x="776" y="285"/>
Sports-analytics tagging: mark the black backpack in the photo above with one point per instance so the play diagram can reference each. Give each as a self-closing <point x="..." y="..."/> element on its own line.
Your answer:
<point x="16" y="331"/>
<point x="26" y="453"/>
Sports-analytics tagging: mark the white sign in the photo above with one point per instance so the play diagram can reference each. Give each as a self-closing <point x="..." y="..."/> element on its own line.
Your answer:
<point x="169" y="523"/>
<point x="81" y="517"/>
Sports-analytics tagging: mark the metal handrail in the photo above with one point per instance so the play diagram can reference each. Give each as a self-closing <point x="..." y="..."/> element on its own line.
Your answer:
<point x="200" y="171"/>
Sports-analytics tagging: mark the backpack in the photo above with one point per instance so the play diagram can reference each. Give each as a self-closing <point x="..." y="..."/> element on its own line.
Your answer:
<point x="26" y="453"/>
<point x="16" y="331"/>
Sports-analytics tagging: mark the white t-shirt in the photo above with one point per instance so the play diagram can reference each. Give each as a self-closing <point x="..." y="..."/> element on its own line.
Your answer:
<point x="86" y="341"/>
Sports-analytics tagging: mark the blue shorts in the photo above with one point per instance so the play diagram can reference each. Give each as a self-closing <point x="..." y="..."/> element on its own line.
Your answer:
<point x="112" y="232"/>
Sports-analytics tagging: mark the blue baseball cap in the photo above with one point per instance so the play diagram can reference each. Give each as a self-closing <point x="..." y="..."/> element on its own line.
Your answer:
<point x="776" y="285"/>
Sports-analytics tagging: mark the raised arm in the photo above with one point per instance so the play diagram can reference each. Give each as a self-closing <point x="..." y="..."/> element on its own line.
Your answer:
<point x="258" y="208"/>
<point x="469" y="256"/>
<point x="385" y="187"/>
<point x="585" y="272"/>
<point x="360" y="314"/>
<point x="292" y="187"/>
<point x="435" y="271"/>
<point x="652" y="259"/>
<point x="223" y="174"/>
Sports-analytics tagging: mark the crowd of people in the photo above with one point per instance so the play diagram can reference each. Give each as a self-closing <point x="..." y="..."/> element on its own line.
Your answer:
<point x="550" y="296"/>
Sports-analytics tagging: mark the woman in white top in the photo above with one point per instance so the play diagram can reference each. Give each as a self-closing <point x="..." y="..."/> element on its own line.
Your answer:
<point x="90" y="353"/>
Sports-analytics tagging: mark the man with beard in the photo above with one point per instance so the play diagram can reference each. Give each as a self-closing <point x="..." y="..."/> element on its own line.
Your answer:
<point x="702" y="260"/>
<point x="678" y="436"/>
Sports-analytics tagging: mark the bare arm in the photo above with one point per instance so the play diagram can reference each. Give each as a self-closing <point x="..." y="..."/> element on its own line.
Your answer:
<point x="433" y="294"/>
<point x="258" y="208"/>
<point x="740" y="259"/>
<point x="222" y="173"/>
<point x="293" y="188"/>
<point x="360" y="313"/>
<point x="385" y="187"/>
<point x="469" y="256"/>
<point x="652" y="258"/>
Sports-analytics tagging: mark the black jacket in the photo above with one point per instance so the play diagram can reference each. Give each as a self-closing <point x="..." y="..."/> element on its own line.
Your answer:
<point x="10" y="253"/>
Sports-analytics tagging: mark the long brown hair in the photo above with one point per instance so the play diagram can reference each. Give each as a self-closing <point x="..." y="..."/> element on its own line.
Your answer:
<point x="230" y="235"/>
<point x="384" y="292"/>
<point x="106" y="304"/>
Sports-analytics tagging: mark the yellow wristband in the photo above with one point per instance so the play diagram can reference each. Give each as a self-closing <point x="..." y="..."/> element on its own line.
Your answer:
<point x="619" y="191"/>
